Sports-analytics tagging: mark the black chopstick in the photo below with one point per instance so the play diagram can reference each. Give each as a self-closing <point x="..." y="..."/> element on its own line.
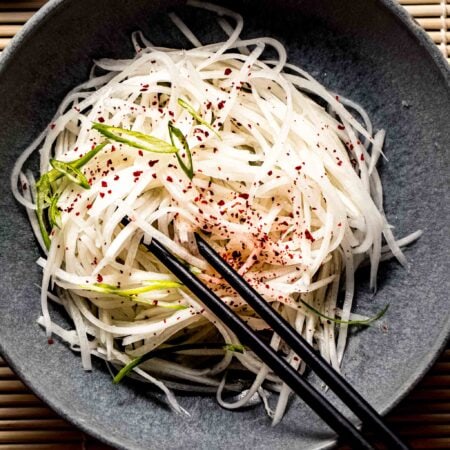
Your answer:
<point x="337" y="421"/>
<point x="338" y="384"/>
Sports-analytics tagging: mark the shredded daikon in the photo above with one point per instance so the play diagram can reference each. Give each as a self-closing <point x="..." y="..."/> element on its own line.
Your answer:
<point x="215" y="139"/>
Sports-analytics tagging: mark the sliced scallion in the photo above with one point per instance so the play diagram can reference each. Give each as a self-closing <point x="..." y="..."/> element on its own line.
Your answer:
<point x="365" y="322"/>
<point x="190" y="109"/>
<point x="175" y="132"/>
<point x="134" y="139"/>
<point x="161" y="352"/>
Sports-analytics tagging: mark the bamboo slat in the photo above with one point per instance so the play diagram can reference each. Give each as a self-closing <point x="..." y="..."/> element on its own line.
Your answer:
<point x="435" y="381"/>
<point x="434" y="443"/>
<point x="441" y="367"/>
<point x="428" y="10"/>
<point x="4" y="42"/>
<point x="19" y="400"/>
<point x="19" y="5"/>
<point x="34" y="424"/>
<point x="5" y="373"/>
<point x="12" y="386"/>
<point x="67" y="446"/>
<point x="15" y="17"/>
<point x="27" y="412"/>
<point x="438" y="36"/>
<point x="420" y="2"/>
<point x="421" y="418"/>
<point x="9" y="30"/>
<point x="25" y="436"/>
<point x="433" y="23"/>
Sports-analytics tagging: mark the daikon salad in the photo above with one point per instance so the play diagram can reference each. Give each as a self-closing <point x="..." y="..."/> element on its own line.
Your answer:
<point x="274" y="170"/>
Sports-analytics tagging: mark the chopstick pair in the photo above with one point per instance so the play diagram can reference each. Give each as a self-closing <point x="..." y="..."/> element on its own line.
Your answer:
<point x="313" y="398"/>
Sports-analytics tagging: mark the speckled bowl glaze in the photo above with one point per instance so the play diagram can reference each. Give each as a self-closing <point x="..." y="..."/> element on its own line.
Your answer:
<point x="369" y="51"/>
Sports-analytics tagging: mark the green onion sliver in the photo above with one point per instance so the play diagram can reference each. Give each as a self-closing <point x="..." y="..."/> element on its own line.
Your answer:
<point x="190" y="109"/>
<point x="72" y="173"/>
<point x="172" y="349"/>
<point x="365" y="322"/>
<point x="151" y="285"/>
<point x="134" y="139"/>
<point x="54" y="214"/>
<point x="175" y="132"/>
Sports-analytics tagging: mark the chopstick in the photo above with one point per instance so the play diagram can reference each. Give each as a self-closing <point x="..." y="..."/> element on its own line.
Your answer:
<point x="336" y="382"/>
<point x="319" y="404"/>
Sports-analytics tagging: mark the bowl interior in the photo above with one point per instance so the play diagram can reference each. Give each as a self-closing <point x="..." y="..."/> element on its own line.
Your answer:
<point x="362" y="50"/>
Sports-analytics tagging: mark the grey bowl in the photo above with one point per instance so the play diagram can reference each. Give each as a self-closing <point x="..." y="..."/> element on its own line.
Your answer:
<point x="369" y="51"/>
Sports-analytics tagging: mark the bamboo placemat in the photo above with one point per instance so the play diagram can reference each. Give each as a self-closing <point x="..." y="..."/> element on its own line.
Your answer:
<point x="26" y="423"/>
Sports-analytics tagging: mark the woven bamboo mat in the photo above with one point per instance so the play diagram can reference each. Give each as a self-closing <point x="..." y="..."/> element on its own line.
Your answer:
<point x="26" y="423"/>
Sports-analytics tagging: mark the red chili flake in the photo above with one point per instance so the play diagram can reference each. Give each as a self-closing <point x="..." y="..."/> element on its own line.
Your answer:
<point x="109" y="162"/>
<point x="169" y="179"/>
<point x="269" y="173"/>
<point x="221" y="202"/>
<point x="104" y="184"/>
<point x="116" y="177"/>
<point x="339" y="163"/>
<point x="221" y="104"/>
<point x="244" y="196"/>
<point x="362" y="157"/>
<point x="208" y="105"/>
<point x="109" y="191"/>
<point x="154" y="103"/>
<point x="50" y="341"/>
<point x="160" y="110"/>
<point x="309" y="236"/>
<point x="154" y="175"/>
<point x="153" y="162"/>
<point x="141" y="153"/>
<point x="89" y="206"/>
<point x="137" y="173"/>
<point x="298" y="167"/>
<point x="171" y="114"/>
<point x="99" y="278"/>
<point x="102" y="194"/>
<point x="52" y="126"/>
<point x="101" y="119"/>
<point x="341" y="127"/>
<point x="227" y="71"/>
<point x="337" y="97"/>
<point x="339" y="224"/>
